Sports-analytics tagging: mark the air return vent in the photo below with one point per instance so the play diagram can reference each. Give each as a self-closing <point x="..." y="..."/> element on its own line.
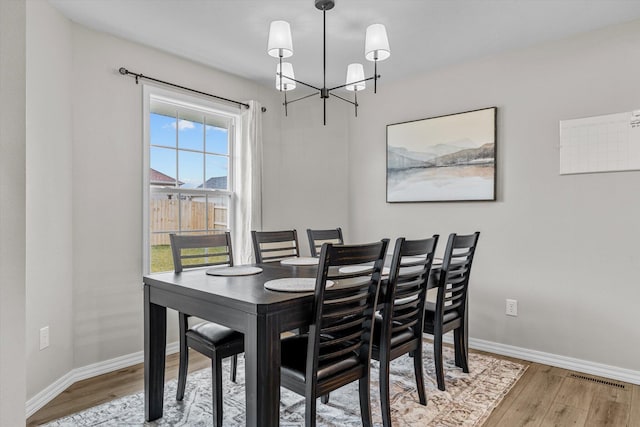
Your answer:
<point x="597" y="381"/>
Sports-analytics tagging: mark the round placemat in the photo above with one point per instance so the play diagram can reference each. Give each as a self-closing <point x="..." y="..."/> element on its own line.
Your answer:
<point x="238" y="270"/>
<point x="294" y="284"/>
<point x="301" y="260"/>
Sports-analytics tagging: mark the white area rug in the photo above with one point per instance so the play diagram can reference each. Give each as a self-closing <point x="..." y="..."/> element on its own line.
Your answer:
<point x="468" y="400"/>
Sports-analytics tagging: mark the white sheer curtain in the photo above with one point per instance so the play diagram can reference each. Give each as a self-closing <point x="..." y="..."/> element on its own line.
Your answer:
<point x="248" y="180"/>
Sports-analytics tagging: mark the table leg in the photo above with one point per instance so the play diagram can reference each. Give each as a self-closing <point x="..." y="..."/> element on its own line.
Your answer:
<point x="155" y="342"/>
<point x="262" y="370"/>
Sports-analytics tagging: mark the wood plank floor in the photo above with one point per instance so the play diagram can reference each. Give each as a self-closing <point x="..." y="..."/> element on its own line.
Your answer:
<point x="544" y="396"/>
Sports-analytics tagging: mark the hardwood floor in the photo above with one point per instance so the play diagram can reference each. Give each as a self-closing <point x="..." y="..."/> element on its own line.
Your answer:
<point x="103" y="388"/>
<point x="544" y="396"/>
<point x="548" y="396"/>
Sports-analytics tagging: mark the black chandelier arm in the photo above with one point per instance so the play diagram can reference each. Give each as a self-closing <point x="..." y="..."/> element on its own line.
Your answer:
<point x="299" y="81"/>
<point x="344" y="99"/>
<point x="300" y="99"/>
<point x="352" y="83"/>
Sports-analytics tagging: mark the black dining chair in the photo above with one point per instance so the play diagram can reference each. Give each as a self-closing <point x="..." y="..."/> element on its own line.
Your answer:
<point x="449" y="312"/>
<point x="337" y="349"/>
<point x="272" y="246"/>
<point x="398" y="327"/>
<point x="210" y="339"/>
<point x="318" y="237"/>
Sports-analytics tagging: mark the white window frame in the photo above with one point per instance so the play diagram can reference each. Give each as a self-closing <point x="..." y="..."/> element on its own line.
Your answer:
<point x="192" y="102"/>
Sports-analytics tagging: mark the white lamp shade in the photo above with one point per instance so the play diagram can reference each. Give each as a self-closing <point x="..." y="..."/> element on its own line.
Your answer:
<point x="355" y="73"/>
<point x="287" y="71"/>
<point x="376" y="43"/>
<point x="280" y="40"/>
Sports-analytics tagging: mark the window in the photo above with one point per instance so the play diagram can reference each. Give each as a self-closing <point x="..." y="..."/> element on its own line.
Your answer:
<point x="189" y="160"/>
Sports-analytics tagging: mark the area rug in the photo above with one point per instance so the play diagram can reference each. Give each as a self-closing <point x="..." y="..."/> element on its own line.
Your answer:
<point x="467" y="401"/>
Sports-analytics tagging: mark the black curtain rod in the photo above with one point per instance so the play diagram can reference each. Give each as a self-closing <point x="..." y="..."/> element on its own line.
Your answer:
<point x="126" y="72"/>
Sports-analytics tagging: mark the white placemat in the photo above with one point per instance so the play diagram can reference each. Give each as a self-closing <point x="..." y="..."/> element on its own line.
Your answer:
<point x="238" y="270"/>
<point x="412" y="259"/>
<point x="294" y="284"/>
<point x="301" y="260"/>
<point x="359" y="268"/>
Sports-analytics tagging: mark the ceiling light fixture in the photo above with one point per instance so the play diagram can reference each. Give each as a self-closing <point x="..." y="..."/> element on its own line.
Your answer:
<point x="280" y="45"/>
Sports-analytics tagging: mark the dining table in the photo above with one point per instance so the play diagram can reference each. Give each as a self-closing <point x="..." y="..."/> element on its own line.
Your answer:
<point x="238" y="302"/>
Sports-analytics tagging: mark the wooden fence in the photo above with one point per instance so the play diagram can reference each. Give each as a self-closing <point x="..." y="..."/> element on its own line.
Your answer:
<point x="164" y="217"/>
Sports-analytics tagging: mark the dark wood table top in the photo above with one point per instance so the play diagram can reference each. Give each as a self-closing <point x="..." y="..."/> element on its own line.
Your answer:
<point x="245" y="293"/>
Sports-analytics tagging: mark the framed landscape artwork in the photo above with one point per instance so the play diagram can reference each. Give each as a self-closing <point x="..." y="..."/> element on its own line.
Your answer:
<point x="442" y="159"/>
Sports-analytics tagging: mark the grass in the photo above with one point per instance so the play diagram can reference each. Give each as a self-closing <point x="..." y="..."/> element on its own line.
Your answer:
<point x="161" y="258"/>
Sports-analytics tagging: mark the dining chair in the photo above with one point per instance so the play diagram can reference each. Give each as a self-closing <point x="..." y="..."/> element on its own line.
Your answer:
<point x="210" y="339"/>
<point x="318" y="237"/>
<point x="337" y="349"/>
<point x="449" y="312"/>
<point x="272" y="246"/>
<point x="398" y="328"/>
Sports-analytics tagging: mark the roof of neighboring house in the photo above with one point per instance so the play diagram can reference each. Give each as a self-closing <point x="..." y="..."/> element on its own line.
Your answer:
<point x="217" y="182"/>
<point x="158" y="178"/>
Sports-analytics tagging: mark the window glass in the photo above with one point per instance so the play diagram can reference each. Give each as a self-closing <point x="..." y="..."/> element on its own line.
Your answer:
<point x="218" y="218"/>
<point x="189" y="176"/>
<point x="190" y="135"/>
<point x="163" y="166"/>
<point x="162" y="129"/>
<point x="217" y="172"/>
<point x="190" y="169"/>
<point x="217" y="140"/>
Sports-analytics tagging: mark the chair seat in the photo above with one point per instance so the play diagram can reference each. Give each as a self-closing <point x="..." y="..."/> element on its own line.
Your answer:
<point x="294" y="360"/>
<point x="397" y="338"/>
<point x="213" y="335"/>
<point x="430" y="311"/>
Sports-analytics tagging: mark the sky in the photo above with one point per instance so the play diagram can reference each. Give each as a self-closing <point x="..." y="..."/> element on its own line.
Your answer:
<point x="193" y="168"/>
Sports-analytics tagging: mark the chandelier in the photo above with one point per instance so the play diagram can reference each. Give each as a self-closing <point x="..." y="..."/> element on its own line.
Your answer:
<point x="280" y="45"/>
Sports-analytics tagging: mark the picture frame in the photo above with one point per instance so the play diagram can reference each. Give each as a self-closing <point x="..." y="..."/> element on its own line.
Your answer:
<point x="449" y="158"/>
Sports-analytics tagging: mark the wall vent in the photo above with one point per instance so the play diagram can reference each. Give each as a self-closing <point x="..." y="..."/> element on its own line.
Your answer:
<point x="595" y="380"/>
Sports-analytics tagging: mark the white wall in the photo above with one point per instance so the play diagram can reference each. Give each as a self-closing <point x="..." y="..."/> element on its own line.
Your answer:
<point x="48" y="213"/>
<point x="107" y="183"/>
<point x="12" y="212"/>
<point x="564" y="246"/>
<point x="306" y="171"/>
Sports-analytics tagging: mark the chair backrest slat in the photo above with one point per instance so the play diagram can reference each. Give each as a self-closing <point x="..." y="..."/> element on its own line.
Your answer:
<point x="191" y="251"/>
<point x="273" y="246"/>
<point x="343" y="314"/>
<point x="455" y="273"/>
<point x="342" y="351"/>
<point x="318" y="237"/>
<point x="405" y="295"/>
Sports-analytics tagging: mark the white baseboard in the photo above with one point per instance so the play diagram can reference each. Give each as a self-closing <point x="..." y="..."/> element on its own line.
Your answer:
<point x="49" y="393"/>
<point x="570" y="363"/>
<point x="84" y="372"/>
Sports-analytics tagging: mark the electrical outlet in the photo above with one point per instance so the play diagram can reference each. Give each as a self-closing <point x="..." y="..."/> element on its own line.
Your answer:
<point x="512" y="307"/>
<point x="44" y="338"/>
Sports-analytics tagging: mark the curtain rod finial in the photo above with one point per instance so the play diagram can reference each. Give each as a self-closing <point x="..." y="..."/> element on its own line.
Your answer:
<point x="123" y="71"/>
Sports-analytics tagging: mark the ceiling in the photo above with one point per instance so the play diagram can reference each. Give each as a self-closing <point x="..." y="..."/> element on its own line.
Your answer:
<point x="231" y="35"/>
